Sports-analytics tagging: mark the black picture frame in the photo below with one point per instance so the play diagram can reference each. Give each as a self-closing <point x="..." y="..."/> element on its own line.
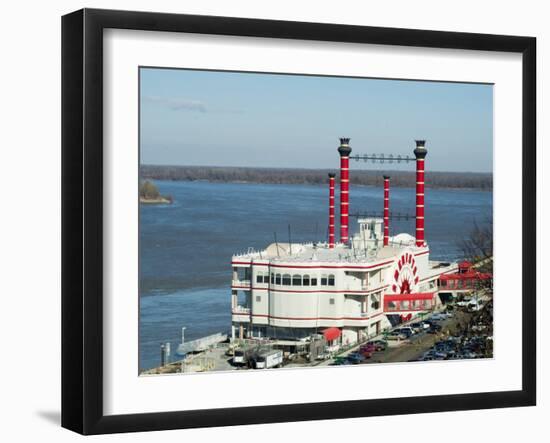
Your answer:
<point x="82" y="218"/>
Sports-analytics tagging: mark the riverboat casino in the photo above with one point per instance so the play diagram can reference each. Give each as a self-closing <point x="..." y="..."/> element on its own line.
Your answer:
<point x="347" y="290"/>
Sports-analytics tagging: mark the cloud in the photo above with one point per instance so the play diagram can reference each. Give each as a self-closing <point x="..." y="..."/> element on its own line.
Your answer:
<point x="178" y="104"/>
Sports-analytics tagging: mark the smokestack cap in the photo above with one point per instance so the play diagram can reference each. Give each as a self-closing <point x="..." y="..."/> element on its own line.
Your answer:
<point x="420" y="150"/>
<point x="331" y="175"/>
<point x="344" y="148"/>
<point x="386" y="177"/>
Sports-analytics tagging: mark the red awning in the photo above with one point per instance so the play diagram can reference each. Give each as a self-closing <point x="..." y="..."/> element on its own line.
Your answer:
<point x="332" y="333"/>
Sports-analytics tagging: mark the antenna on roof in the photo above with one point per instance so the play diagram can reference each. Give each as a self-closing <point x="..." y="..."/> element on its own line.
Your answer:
<point x="289" y="240"/>
<point x="316" y="229"/>
<point x="392" y="215"/>
<point x="353" y="249"/>
<point x="276" y="243"/>
<point x="382" y="158"/>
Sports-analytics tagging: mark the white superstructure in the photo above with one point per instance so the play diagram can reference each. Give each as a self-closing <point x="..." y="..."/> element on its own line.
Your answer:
<point x="293" y="291"/>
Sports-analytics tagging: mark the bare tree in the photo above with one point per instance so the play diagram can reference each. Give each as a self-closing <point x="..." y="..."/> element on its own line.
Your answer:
<point x="478" y="245"/>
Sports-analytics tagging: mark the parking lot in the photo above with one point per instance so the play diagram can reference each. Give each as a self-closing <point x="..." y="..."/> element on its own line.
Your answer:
<point x="459" y="335"/>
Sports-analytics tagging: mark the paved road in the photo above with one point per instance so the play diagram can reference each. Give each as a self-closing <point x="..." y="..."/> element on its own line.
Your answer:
<point x="420" y="343"/>
<point x="417" y="345"/>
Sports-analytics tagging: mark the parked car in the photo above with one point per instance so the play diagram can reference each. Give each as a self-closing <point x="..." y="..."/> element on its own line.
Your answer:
<point x="396" y="335"/>
<point x="367" y="348"/>
<point x="418" y="327"/>
<point x="469" y="354"/>
<point x="438" y="316"/>
<point x="366" y="353"/>
<point x="355" y="358"/>
<point x="338" y="361"/>
<point x="407" y="330"/>
<point x="434" y="329"/>
<point x="475" y="307"/>
<point x="323" y="356"/>
<point x="479" y="327"/>
<point x="379" y="345"/>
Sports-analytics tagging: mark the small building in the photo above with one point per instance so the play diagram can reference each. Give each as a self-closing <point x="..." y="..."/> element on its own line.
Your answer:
<point x="464" y="281"/>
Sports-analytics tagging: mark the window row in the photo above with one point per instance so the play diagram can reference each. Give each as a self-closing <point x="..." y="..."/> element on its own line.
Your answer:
<point x="408" y="304"/>
<point x="296" y="279"/>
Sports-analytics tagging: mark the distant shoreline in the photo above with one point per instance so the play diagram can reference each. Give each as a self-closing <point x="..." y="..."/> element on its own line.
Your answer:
<point x="232" y="174"/>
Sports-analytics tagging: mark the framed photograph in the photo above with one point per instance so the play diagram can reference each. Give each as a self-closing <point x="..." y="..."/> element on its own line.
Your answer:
<point x="268" y="221"/>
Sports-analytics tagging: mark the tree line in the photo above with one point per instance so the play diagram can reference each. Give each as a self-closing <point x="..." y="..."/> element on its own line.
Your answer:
<point x="407" y="179"/>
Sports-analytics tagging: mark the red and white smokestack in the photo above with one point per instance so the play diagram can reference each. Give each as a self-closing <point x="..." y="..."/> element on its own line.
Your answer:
<point x="420" y="153"/>
<point x="386" y="210"/>
<point x="344" y="151"/>
<point x="331" y="210"/>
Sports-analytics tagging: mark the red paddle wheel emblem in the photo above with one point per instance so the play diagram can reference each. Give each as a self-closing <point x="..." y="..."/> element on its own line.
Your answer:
<point x="405" y="276"/>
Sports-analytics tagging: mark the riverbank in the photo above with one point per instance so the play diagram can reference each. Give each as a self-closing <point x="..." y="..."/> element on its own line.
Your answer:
<point x="155" y="201"/>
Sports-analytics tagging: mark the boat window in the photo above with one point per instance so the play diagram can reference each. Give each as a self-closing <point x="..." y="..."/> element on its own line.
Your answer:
<point x="278" y="279"/>
<point x="266" y="278"/>
<point x="324" y="280"/>
<point x="296" y="280"/>
<point x="313" y="281"/>
<point x="272" y="278"/>
<point x="331" y="280"/>
<point x="258" y="298"/>
<point x="259" y="278"/>
<point x="331" y="301"/>
<point x="305" y="280"/>
<point x="286" y="279"/>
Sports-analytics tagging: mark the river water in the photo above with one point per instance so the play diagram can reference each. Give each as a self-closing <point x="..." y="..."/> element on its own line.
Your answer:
<point x="186" y="247"/>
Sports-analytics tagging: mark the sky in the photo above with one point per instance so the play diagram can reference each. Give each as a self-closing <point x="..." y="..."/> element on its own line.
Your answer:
<point x="215" y="118"/>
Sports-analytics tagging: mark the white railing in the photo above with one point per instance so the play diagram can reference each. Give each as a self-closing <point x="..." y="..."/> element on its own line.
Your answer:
<point x="241" y="310"/>
<point x="240" y="283"/>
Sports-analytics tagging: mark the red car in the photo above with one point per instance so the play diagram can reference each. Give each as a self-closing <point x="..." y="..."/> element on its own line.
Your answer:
<point x="365" y="353"/>
<point x="367" y="348"/>
<point x="378" y="345"/>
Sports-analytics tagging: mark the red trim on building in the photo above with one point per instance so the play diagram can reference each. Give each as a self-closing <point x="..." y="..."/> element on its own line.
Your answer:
<point x="309" y="318"/>
<point x="322" y="266"/>
<point x="331" y="266"/>
<point x="320" y="291"/>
